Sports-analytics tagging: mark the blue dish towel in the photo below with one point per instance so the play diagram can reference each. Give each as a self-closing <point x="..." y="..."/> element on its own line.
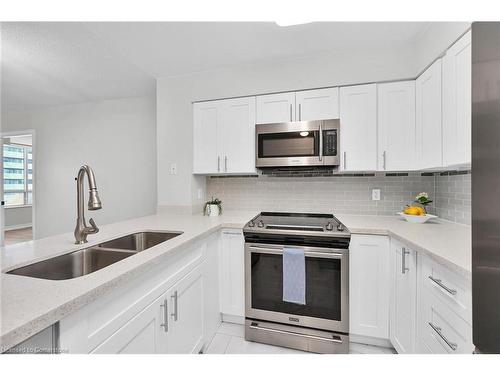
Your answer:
<point x="294" y="276"/>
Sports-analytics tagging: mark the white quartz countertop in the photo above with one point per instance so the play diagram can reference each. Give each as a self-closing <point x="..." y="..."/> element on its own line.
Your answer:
<point x="29" y="305"/>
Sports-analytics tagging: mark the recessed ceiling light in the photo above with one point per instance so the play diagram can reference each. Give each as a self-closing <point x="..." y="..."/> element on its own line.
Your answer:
<point x="291" y="23"/>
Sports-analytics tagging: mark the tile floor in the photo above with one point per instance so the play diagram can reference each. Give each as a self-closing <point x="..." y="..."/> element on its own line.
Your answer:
<point x="230" y="339"/>
<point x="18" y="235"/>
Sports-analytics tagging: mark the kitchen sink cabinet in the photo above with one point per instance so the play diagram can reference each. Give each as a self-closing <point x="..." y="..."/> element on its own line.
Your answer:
<point x="396" y="126"/>
<point x="358" y="128"/>
<point x="224" y="136"/>
<point x="166" y="310"/>
<point x="457" y="103"/>
<point x="403" y="298"/>
<point x="232" y="276"/>
<point x="369" y="286"/>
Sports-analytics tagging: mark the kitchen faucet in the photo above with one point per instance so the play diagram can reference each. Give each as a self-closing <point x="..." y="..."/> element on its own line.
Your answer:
<point x="82" y="230"/>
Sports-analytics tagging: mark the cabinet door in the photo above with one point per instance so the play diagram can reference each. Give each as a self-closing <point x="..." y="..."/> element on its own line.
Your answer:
<point x="402" y="327"/>
<point x="185" y="331"/>
<point x="358" y="128"/>
<point x="211" y="296"/>
<point x="238" y="135"/>
<point x="143" y="334"/>
<point x="396" y="126"/>
<point x="429" y="150"/>
<point x="206" y="142"/>
<point x="457" y="79"/>
<point x="369" y="286"/>
<point x="322" y="104"/>
<point x="233" y="273"/>
<point x="276" y="108"/>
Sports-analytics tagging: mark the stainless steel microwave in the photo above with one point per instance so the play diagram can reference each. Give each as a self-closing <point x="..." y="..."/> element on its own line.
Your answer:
<point x="304" y="143"/>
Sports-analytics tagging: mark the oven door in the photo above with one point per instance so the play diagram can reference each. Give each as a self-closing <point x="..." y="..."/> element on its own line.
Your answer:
<point x="288" y="144"/>
<point x="327" y="302"/>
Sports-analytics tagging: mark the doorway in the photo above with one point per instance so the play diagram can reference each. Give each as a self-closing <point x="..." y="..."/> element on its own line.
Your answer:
<point x="18" y="187"/>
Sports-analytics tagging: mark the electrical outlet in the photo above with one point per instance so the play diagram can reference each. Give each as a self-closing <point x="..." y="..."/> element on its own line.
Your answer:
<point x="173" y="168"/>
<point x="375" y="194"/>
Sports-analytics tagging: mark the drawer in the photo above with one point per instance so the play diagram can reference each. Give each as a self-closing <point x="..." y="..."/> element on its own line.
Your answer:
<point x="451" y="289"/>
<point x="441" y="330"/>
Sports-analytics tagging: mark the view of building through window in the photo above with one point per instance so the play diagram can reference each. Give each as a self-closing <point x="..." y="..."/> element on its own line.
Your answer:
<point x="18" y="174"/>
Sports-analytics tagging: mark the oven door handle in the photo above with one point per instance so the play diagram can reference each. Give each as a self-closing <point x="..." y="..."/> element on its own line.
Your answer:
<point x="307" y="253"/>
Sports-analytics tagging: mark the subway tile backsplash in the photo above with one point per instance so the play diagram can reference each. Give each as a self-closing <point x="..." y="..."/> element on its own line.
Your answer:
<point x="346" y="195"/>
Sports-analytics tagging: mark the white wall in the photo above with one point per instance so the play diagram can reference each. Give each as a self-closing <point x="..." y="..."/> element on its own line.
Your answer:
<point x="176" y="94"/>
<point x="16" y="217"/>
<point x="117" y="138"/>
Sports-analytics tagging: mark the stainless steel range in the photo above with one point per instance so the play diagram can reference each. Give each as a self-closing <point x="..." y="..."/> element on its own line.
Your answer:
<point x="321" y="322"/>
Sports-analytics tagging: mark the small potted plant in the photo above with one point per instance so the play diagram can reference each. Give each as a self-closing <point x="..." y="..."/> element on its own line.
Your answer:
<point x="423" y="199"/>
<point x="213" y="207"/>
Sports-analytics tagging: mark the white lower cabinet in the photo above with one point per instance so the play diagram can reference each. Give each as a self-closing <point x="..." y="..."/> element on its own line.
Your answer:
<point x="403" y="298"/>
<point x="369" y="286"/>
<point x="172" y="308"/>
<point x="232" y="275"/>
<point x="444" y="310"/>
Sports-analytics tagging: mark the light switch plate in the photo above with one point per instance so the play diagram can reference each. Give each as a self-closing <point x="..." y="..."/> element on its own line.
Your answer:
<point x="375" y="194"/>
<point x="173" y="168"/>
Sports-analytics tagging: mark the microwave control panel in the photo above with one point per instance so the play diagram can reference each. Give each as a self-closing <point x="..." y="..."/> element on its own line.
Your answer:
<point x="330" y="142"/>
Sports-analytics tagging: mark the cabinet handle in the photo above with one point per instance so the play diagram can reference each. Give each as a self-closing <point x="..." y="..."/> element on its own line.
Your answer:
<point x="384" y="156"/>
<point x="218" y="163"/>
<point x="174" y="297"/>
<point x="225" y="163"/>
<point x="438" y="330"/>
<point x="440" y="283"/>
<point x="165" y="315"/>
<point x="345" y="158"/>
<point x="300" y="112"/>
<point x="404" y="252"/>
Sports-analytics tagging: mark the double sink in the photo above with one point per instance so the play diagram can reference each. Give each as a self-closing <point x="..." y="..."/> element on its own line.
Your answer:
<point x="82" y="262"/>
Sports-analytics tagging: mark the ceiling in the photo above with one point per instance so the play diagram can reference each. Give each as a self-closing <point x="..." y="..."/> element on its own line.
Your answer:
<point x="46" y="64"/>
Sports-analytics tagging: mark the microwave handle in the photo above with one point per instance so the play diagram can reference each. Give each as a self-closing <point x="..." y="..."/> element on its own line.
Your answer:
<point x="320" y="142"/>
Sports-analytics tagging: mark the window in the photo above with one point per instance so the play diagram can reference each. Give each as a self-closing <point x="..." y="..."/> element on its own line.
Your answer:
<point x="17" y="175"/>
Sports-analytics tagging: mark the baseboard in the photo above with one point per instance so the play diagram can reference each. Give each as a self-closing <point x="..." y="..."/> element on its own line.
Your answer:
<point x="236" y="319"/>
<point x="18" y="226"/>
<point x="370" y="341"/>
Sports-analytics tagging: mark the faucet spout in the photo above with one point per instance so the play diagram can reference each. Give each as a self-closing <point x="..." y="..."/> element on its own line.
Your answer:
<point x="81" y="229"/>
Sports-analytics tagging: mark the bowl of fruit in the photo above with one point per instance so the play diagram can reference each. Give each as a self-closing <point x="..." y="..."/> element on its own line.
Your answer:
<point x="418" y="214"/>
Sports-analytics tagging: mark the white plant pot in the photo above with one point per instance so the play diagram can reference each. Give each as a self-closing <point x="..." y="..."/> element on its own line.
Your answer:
<point x="213" y="210"/>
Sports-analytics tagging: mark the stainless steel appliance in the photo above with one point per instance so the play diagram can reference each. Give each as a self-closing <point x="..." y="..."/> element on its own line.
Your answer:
<point x="322" y="324"/>
<point x="485" y="186"/>
<point x="290" y="144"/>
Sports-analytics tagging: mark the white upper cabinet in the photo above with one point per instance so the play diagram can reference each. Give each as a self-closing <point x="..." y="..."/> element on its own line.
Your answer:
<point x="238" y="135"/>
<point x="224" y="136"/>
<point x="396" y="126"/>
<point x="205" y="140"/>
<point x="276" y="108"/>
<point x="358" y="128"/>
<point x="457" y="103"/>
<point x="321" y="104"/>
<point x="429" y="150"/>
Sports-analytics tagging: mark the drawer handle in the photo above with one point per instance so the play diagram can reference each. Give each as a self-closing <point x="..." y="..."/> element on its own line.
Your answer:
<point x="437" y="329"/>
<point x="440" y="283"/>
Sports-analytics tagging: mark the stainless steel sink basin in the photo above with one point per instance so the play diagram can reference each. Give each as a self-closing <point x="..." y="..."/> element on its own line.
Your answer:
<point x="71" y="265"/>
<point x="85" y="261"/>
<point x="139" y="241"/>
